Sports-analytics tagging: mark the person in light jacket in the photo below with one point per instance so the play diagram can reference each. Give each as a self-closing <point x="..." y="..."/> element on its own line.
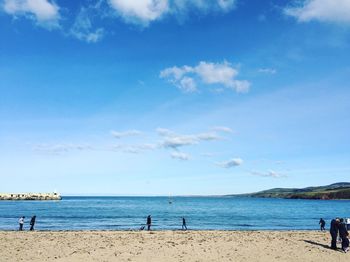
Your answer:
<point x="21" y="223"/>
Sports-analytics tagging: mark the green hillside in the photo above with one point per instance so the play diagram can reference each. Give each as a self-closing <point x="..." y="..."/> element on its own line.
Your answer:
<point x="333" y="191"/>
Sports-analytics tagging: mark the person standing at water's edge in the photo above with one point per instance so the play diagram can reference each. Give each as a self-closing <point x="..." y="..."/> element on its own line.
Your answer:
<point x="32" y="223"/>
<point x="184" y="227"/>
<point x="344" y="234"/>
<point x="149" y="222"/>
<point x="21" y="222"/>
<point x="322" y="224"/>
<point x="334" y="232"/>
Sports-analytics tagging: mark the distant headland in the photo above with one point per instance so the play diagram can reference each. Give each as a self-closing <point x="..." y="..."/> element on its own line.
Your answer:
<point x="334" y="191"/>
<point x="30" y="196"/>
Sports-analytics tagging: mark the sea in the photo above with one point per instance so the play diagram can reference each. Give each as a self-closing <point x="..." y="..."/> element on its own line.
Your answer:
<point x="201" y="213"/>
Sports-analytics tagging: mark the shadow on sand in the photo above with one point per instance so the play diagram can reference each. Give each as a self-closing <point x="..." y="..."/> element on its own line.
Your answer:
<point x="321" y="245"/>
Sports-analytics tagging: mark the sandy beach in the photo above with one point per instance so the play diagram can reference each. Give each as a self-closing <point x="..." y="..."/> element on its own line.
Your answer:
<point x="168" y="246"/>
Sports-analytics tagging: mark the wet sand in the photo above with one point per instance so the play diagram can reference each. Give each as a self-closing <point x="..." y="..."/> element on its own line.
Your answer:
<point x="168" y="246"/>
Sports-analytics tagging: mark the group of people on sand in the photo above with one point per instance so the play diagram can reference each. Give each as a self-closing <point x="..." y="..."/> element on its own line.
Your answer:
<point x="149" y="223"/>
<point x="31" y="223"/>
<point x="338" y="227"/>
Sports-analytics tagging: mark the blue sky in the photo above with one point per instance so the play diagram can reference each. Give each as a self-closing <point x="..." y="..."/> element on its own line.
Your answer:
<point x="173" y="97"/>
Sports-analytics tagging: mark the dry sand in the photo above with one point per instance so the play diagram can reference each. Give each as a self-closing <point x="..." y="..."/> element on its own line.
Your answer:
<point x="168" y="246"/>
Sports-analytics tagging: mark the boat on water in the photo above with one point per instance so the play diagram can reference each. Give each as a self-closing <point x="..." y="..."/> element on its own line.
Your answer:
<point x="30" y="196"/>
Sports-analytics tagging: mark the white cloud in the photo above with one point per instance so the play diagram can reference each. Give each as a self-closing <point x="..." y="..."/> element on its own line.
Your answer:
<point x="270" y="71"/>
<point x="117" y="134"/>
<point x="145" y="11"/>
<point x="208" y="136"/>
<point x="83" y="29"/>
<point x="231" y="163"/>
<point x="270" y="173"/>
<point x="44" y="12"/>
<point x="337" y="11"/>
<point x="179" y="141"/>
<point x="223" y="74"/>
<point x="180" y="155"/>
<point x="222" y="129"/>
<point x="174" y="141"/>
<point x="187" y="84"/>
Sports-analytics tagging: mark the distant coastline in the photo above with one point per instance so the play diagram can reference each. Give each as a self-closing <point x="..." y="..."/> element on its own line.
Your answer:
<point x="336" y="191"/>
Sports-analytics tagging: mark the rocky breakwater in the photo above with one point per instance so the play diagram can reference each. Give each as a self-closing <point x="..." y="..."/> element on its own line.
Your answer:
<point x="30" y="196"/>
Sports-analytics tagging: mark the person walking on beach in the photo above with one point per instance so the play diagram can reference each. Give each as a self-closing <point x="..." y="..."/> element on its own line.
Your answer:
<point x="344" y="234"/>
<point x="334" y="232"/>
<point x="184" y="224"/>
<point x="322" y="224"/>
<point x="21" y="222"/>
<point x="149" y="222"/>
<point x="32" y="223"/>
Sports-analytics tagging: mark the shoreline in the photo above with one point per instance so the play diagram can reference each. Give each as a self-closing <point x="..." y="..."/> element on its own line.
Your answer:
<point x="169" y="245"/>
<point x="166" y="230"/>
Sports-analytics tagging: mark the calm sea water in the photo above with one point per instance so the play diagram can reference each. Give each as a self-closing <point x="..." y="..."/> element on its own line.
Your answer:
<point x="120" y="213"/>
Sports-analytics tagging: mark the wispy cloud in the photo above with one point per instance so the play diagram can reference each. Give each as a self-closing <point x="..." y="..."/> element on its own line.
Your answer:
<point x="180" y="155"/>
<point x="186" y="78"/>
<point x="269" y="173"/>
<point x="337" y="11"/>
<point x="83" y="27"/>
<point x="270" y="71"/>
<point x="118" y="134"/>
<point x="179" y="141"/>
<point x="230" y="163"/>
<point x="222" y="129"/>
<point x="134" y="149"/>
<point x="44" y="12"/>
<point x="164" y="132"/>
<point x="58" y="149"/>
<point x="209" y="136"/>
<point x="167" y="139"/>
<point x="174" y="140"/>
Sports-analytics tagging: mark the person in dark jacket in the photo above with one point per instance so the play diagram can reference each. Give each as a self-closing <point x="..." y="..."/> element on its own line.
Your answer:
<point x="149" y="222"/>
<point x="322" y="224"/>
<point x="344" y="234"/>
<point x="334" y="232"/>
<point x="32" y="223"/>
<point x="184" y="224"/>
